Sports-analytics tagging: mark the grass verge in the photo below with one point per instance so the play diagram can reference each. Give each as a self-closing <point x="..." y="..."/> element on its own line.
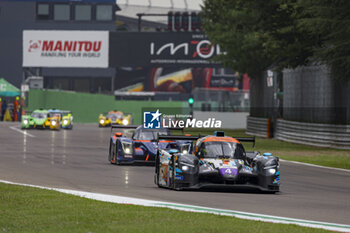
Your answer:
<point x="291" y="151"/>
<point x="26" y="209"/>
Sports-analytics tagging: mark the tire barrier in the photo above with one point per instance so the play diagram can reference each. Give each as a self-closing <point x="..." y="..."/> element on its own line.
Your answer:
<point x="322" y="135"/>
<point x="258" y="126"/>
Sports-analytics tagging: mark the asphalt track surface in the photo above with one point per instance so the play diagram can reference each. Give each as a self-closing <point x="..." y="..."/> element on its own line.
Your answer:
<point x="77" y="159"/>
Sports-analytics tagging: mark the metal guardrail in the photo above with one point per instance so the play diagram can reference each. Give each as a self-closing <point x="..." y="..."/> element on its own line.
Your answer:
<point x="257" y="126"/>
<point x="322" y="135"/>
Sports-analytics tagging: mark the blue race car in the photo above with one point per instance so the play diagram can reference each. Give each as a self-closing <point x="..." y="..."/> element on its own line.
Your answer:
<point x="142" y="146"/>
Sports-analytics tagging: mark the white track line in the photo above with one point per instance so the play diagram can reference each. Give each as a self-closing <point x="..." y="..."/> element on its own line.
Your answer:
<point x="200" y="209"/>
<point x="21" y="131"/>
<point x="314" y="165"/>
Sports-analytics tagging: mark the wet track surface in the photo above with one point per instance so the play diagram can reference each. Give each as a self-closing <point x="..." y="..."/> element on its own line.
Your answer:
<point x="77" y="159"/>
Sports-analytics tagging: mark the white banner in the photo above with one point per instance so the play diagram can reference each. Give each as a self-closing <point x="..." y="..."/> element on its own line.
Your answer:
<point x="65" y="48"/>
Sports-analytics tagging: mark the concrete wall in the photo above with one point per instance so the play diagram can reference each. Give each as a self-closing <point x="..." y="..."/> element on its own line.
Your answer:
<point x="230" y="120"/>
<point x="87" y="107"/>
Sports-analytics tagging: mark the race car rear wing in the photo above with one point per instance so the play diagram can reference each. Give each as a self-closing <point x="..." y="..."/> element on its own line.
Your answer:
<point x="176" y="128"/>
<point x="247" y="139"/>
<point x="189" y="138"/>
<point x="117" y="126"/>
<point x="180" y="137"/>
<point x="66" y="112"/>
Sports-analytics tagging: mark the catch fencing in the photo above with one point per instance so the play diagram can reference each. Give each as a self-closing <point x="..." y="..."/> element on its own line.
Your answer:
<point x="86" y="107"/>
<point x="221" y="100"/>
<point x="312" y="95"/>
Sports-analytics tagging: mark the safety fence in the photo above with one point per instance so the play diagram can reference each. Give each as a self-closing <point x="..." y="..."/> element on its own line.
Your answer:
<point x="87" y="107"/>
<point x="214" y="100"/>
<point x="323" y="135"/>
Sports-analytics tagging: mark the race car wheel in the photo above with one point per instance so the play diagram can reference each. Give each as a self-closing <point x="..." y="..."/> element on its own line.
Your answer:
<point x="173" y="180"/>
<point x="115" y="153"/>
<point x="156" y="175"/>
<point x="117" y="160"/>
<point x="110" y="152"/>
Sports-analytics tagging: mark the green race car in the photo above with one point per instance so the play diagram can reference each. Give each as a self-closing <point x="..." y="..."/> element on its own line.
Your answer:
<point x="38" y="120"/>
<point x="48" y="119"/>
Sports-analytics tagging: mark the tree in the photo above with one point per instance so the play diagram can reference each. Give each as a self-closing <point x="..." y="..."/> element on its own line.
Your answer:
<point x="329" y="22"/>
<point x="232" y="25"/>
<point x="257" y="34"/>
<point x="280" y="33"/>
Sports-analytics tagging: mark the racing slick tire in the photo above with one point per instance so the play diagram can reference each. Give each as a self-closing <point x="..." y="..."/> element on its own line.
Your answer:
<point x="110" y="152"/>
<point x="173" y="179"/>
<point x="115" y="154"/>
<point x="156" y="175"/>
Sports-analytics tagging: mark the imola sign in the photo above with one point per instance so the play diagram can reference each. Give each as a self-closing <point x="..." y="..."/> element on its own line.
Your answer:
<point x="204" y="49"/>
<point x="162" y="49"/>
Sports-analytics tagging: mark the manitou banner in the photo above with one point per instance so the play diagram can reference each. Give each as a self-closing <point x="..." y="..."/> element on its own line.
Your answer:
<point x="65" y="48"/>
<point x="162" y="49"/>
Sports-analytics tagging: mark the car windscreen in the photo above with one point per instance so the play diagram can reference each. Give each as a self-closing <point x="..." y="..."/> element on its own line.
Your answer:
<point x="227" y="150"/>
<point x="114" y="116"/>
<point x="39" y="115"/>
<point x="53" y="114"/>
<point x="153" y="134"/>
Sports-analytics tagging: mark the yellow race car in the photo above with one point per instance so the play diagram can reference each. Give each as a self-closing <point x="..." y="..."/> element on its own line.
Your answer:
<point x="114" y="117"/>
<point x="59" y="119"/>
<point x="53" y="120"/>
<point x="67" y="120"/>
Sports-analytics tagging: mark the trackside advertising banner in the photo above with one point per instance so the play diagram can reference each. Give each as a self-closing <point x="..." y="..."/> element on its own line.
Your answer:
<point x="65" y="48"/>
<point x="162" y="49"/>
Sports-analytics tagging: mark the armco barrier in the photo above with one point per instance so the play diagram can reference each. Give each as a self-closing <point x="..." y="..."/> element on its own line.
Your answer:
<point x="323" y="135"/>
<point x="258" y="126"/>
<point x="87" y="107"/>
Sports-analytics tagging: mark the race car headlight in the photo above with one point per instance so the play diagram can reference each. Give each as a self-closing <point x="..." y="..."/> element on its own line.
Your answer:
<point x="271" y="171"/>
<point x="127" y="151"/>
<point x="25" y="121"/>
<point x="185" y="168"/>
<point x="102" y="121"/>
<point x="185" y="148"/>
<point x="127" y="147"/>
<point x="65" y="121"/>
<point x="125" y="122"/>
<point x="53" y="123"/>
